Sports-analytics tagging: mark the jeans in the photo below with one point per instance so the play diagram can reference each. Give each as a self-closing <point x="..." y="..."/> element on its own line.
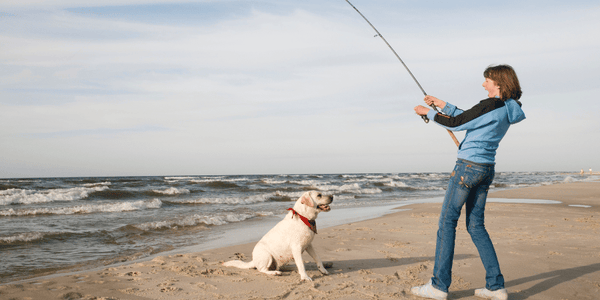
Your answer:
<point x="469" y="184"/>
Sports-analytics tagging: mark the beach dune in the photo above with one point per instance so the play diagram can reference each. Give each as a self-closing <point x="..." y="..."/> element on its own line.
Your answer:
<point x="546" y="251"/>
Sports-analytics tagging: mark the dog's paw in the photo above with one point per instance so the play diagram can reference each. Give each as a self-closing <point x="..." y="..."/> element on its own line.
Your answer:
<point x="272" y="273"/>
<point x="305" y="278"/>
<point x="322" y="267"/>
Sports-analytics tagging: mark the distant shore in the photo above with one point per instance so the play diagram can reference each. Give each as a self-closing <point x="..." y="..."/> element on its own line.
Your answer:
<point x="546" y="251"/>
<point x="586" y="173"/>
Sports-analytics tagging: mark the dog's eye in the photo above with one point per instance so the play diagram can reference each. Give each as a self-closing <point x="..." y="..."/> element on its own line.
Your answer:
<point x="319" y="195"/>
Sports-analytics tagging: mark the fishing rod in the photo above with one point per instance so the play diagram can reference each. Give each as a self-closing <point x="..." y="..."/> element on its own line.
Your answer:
<point x="407" y="69"/>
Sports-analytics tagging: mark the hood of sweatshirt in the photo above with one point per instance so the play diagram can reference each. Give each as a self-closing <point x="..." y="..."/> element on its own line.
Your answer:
<point x="514" y="111"/>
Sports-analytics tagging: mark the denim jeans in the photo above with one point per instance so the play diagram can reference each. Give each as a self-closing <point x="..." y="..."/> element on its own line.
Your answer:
<point x="469" y="184"/>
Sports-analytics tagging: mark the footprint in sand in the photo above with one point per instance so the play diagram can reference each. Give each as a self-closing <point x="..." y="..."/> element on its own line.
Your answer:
<point x="170" y="289"/>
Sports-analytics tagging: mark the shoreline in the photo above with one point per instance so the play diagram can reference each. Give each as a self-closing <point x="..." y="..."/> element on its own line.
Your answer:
<point x="231" y="236"/>
<point x="381" y="257"/>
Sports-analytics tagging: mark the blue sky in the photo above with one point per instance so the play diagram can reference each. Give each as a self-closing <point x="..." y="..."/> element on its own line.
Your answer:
<point x="151" y="87"/>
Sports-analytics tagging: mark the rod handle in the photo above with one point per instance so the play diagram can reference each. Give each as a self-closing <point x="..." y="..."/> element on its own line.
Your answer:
<point x="453" y="138"/>
<point x="426" y="119"/>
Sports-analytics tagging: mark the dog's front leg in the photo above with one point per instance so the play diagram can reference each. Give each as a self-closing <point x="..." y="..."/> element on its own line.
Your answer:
<point x="311" y="251"/>
<point x="297" y="253"/>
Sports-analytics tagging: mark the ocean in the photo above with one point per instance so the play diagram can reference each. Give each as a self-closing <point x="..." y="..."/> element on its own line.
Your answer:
<point x="50" y="225"/>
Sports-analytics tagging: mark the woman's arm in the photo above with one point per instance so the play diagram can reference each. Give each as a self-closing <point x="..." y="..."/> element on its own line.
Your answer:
<point x="435" y="101"/>
<point x="422" y="110"/>
<point x="446" y="108"/>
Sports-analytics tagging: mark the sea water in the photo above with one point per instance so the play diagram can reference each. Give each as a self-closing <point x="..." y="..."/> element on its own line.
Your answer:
<point x="56" y="224"/>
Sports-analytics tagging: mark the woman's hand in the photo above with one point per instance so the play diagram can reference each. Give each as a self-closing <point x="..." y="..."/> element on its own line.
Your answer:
<point x="421" y="110"/>
<point x="435" y="101"/>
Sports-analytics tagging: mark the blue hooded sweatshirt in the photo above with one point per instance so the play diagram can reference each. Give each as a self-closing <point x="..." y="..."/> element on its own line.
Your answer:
<point x="486" y="124"/>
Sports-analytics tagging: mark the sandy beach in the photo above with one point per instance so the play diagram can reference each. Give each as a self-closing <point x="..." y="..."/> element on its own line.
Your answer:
<point x="546" y="251"/>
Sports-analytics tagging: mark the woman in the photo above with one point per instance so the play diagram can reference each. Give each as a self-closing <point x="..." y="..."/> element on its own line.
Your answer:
<point x="486" y="124"/>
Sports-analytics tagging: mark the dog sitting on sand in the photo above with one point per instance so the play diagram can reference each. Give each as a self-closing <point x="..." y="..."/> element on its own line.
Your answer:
<point x="289" y="238"/>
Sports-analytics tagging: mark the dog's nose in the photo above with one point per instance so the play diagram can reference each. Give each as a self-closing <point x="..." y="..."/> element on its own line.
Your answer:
<point x="331" y="198"/>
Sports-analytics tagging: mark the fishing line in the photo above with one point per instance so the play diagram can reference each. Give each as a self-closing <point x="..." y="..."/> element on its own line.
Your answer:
<point x="406" y="67"/>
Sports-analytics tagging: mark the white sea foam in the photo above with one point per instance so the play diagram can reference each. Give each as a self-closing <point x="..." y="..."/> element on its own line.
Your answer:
<point x="217" y="179"/>
<point x="106" y="183"/>
<point x="367" y="179"/>
<point x="307" y="182"/>
<point x="272" y="181"/>
<point x="394" y="181"/>
<point x="399" y="177"/>
<point x="429" y="188"/>
<point x="395" y="184"/>
<point x="84" y="209"/>
<point x="292" y="195"/>
<point x="355" y="179"/>
<point x="172" y="191"/>
<point x="196" y="220"/>
<point x="21" y="237"/>
<point x="229" y="200"/>
<point x="591" y="178"/>
<point x="521" y="185"/>
<point x="349" y="188"/>
<point x="20" y="196"/>
<point x="437" y="175"/>
<point x="351" y="175"/>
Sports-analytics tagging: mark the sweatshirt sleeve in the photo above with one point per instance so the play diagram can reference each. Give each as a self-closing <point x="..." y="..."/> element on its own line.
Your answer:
<point x="451" y="110"/>
<point x="458" y="120"/>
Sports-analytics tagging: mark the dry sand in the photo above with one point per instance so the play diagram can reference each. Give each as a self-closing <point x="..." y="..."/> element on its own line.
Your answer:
<point x="546" y="251"/>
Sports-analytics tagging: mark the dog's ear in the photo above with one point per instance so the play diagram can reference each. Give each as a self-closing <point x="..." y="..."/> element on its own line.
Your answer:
<point x="306" y="200"/>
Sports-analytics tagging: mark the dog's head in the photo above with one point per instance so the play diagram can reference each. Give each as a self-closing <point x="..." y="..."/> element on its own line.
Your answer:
<point x="310" y="204"/>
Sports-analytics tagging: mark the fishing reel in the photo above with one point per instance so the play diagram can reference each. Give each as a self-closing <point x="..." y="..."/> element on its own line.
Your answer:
<point x="425" y="118"/>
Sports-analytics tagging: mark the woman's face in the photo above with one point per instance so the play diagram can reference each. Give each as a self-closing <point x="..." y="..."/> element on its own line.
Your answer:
<point x="491" y="87"/>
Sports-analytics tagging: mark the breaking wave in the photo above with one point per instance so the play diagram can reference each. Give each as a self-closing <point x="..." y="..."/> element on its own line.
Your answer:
<point x="20" y="196"/>
<point x="84" y="209"/>
<point x="172" y="191"/>
<point x="196" y="220"/>
<point x="228" y="200"/>
<point x="26" y="237"/>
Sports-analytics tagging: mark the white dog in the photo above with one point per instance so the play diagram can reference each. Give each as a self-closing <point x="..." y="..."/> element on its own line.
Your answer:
<point x="289" y="238"/>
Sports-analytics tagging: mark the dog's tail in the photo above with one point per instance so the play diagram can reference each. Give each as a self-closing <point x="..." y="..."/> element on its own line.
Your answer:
<point x="239" y="264"/>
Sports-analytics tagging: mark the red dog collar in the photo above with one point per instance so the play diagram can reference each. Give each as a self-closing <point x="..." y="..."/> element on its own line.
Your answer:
<point x="310" y="223"/>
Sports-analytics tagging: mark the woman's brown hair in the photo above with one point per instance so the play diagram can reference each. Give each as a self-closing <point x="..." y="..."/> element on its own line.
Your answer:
<point x="506" y="78"/>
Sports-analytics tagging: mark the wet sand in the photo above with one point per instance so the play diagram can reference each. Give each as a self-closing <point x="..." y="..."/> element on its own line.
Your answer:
<point x="546" y="251"/>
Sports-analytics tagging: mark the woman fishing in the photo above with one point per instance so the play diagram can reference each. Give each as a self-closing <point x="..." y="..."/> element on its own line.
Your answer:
<point x="486" y="124"/>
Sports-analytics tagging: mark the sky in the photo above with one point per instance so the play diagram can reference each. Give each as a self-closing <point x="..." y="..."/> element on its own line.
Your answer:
<point x="158" y="87"/>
